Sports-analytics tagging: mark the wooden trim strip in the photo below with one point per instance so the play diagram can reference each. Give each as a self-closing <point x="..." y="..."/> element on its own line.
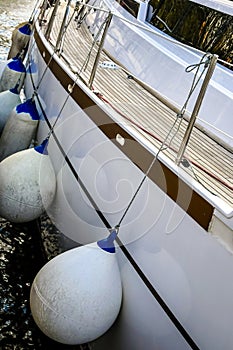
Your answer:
<point x="140" y="273"/>
<point x="189" y="200"/>
<point x="130" y="258"/>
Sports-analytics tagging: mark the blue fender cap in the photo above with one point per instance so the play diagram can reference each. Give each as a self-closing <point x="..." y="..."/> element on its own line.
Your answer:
<point x="29" y="107"/>
<point x="107" y="244"/>
<point x="42" y="148"/>
<point x="15" y="90"/>
<point x="17" y="65"/>
<point x="26" y="29"/>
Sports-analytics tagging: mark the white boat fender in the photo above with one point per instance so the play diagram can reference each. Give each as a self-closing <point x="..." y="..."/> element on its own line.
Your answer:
<point x="76" y="296"/>
<point x="8" y="100"/>
<point x="19" y="40"/>
<point x="20" y="129"/>
<point x="3" y="64"/>
<point x="14" y="73"/>
<point x="27" y="184"/>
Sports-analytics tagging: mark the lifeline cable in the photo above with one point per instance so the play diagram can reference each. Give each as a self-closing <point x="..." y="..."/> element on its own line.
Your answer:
<point x="194" y="84"/>
<point x="106" y="223"/>
<point x="191" y="161"/>
<point x="149" y="30"/>
<point x="108" y="226"/>
<point x="152" y="289"/>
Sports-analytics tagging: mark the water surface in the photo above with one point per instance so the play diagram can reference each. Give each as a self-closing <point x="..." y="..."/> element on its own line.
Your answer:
<point x="12" y="13"/>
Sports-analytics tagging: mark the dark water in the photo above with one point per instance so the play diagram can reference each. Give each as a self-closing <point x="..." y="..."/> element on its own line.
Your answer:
<point x="20" y="258"/>
<point x="24" y="249"/>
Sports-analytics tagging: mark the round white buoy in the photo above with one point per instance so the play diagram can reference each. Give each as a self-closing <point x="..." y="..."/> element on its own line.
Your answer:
<point x="27" y="184"/>
<point x="8" y="100"/>
<point x="76" y="297"/>
<point x="13" y="74"/>
<point x="19" y="129"/>
<point x="20" y="38"/>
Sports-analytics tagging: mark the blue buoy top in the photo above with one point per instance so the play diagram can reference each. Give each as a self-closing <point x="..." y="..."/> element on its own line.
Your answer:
<point x="107" y="244"/>
<point x="42" y="148"/>
<point x="26" y="29"/>
<point x="17" y="65"/>
<point x="15" y="90"/>
<point x="29" y="107"/>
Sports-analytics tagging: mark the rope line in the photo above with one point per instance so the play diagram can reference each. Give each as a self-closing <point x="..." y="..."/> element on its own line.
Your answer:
<point x="94" y="42"/>
<point x="164" y="143"/>
<point x="109" y="227"/>
<point x="161" y="302"/>
<point x="193" y="162"/>
<point x="43" y="75"/>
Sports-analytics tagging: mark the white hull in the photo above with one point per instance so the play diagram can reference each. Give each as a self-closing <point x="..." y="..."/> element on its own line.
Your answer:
<point x="166" y="250"/>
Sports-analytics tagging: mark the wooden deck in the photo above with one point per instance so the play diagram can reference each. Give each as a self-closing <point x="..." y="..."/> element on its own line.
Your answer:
<point x="210" y="163"/>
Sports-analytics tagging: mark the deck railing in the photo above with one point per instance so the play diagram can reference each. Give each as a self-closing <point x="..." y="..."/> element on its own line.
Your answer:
<point x="197" y="106"/>
<point x="59" y="45"/>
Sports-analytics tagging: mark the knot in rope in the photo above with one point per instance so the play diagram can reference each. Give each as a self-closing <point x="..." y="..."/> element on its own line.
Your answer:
<point x="204" y="61"/>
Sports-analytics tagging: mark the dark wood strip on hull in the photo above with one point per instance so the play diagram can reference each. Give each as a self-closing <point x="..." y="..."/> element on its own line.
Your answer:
<point x="189" y="200"/>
